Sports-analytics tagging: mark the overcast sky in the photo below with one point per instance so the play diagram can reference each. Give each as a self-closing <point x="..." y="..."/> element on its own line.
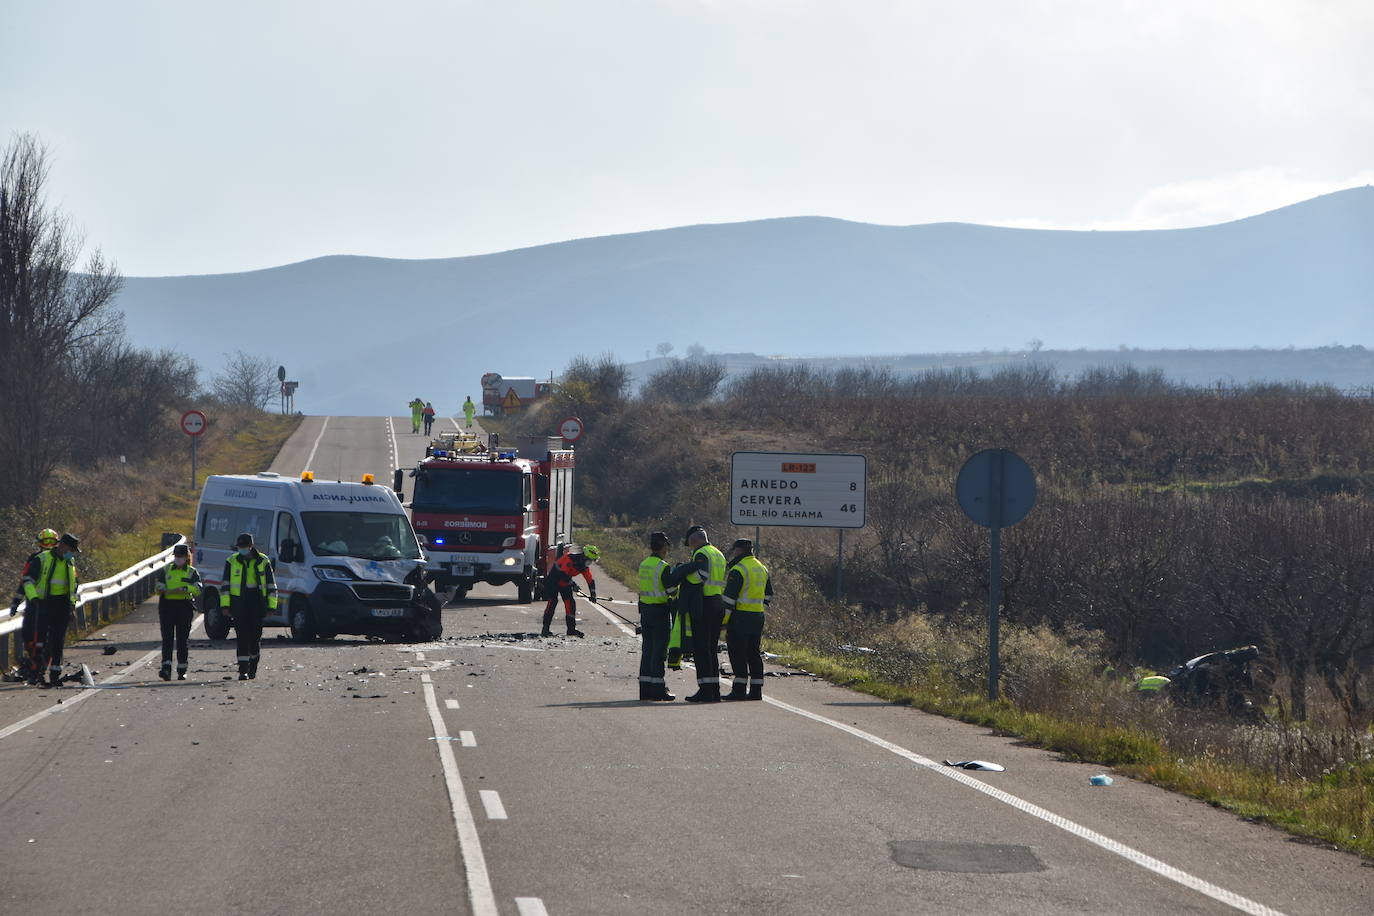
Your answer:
<point x="199" y="137"/>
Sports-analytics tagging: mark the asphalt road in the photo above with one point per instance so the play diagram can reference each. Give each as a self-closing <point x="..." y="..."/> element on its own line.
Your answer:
<point x="494" y="772"/>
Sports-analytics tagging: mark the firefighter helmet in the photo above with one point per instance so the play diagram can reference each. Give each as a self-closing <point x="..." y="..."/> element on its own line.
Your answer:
<point x="590" y="552"/>
<point x="47" y="537"/>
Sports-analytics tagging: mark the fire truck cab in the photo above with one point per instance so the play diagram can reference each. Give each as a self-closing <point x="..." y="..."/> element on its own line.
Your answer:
<point x="491" y="516"/>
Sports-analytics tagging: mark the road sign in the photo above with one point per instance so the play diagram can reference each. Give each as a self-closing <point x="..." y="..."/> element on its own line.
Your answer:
<point x="511" y="401"/>
<point x="798" y="491"/>
<point x="281" y="373"/>
<point x="193" y="423"/>
<point x="996" y="488"/>
<point x="570" y="429"/>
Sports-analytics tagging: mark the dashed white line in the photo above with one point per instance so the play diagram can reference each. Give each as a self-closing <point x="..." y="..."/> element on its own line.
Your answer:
<point x="491" y="800"/>
<point x="530" y="906"/>
<point x="480" y="894"/>
<point x="310" y="459"/>
<point x="467" y="739"/>
<point x="451" y="704"/>
<point x="1177" y="875"/>
<point x="419" y="656"/>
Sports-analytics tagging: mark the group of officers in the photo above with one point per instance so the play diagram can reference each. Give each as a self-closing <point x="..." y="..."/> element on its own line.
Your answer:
<point x="48" y="587"/>
<point x="683" y="607"/>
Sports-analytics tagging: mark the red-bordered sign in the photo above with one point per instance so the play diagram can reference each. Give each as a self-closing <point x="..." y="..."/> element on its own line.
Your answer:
<point x="570" y="429"/>
<point x="193" y="423"/>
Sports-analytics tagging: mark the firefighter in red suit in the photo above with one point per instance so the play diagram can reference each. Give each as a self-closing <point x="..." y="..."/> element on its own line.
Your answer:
<point x="576" y="561"/>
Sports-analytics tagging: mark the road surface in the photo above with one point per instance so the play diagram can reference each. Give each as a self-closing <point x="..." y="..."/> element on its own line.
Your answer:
<point x="494" y="772"/>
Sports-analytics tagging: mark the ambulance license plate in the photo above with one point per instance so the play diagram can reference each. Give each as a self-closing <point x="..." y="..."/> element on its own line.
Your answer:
<point x="462" y="569"/>
<point x="388" y="612"/>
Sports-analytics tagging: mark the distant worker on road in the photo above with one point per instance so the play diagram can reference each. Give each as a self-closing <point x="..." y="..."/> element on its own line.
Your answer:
<point x="417" y="414"/>
<point x="748" y="590"/>
<point x="177" y="586"/>
<point x="576" y="561"/>
<point x="50" y="588"/>
<point x="30" y="634"/>
<point x="469" y="409"/>
<point x="703" y="582"/>
<point x="428" y="415"/>
<point x="248" y="593"/>
<point x="655" y="598"/>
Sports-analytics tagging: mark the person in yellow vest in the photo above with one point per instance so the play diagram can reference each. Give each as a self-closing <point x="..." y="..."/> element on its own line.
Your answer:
<point x="177" y="586"/>
<point x="30" y="634"/>
<point x="50" y="589"/>
<point x="655" y="587"/>
<point x="469" y="409"/>
<point x="703" y="582"/>
<point x="248" y="592"/>
<point x="748" y="590"/>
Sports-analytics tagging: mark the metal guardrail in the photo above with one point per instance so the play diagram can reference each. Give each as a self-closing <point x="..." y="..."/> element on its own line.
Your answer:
<point x="96" y="602"/>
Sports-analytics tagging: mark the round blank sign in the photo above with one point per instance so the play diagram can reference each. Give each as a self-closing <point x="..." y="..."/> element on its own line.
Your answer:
<point x="996" y="488"/>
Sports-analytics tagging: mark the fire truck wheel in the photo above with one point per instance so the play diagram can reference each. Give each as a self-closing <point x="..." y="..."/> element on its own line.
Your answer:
<point x="527" y="587"/>
<point x="460" y="592"/>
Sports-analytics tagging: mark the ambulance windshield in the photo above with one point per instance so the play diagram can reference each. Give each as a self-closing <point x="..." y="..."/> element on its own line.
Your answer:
<point x="478" y="492"/>
<point x="362" y="535"/>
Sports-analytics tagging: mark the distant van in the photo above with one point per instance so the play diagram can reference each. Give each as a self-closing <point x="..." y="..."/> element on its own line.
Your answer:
<point x="346" y="557"/>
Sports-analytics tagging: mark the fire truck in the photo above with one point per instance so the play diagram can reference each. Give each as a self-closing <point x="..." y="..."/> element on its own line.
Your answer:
<point x="485" y="514"/>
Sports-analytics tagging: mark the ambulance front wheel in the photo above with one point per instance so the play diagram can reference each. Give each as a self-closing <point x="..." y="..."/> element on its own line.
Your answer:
<point x="302" y="622"/>
<point x="216" y="623"/>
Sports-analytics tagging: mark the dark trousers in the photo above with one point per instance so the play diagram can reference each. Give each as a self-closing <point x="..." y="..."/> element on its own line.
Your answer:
<point x="705" y="638"/>
<point x="248" y="629"/>
<point x="746" y="656"/>
<point x="174" y="616"/>
<point x="653" y="628"/>
<point x="52" y="629"/>
<point x="429" y="424"/>
<point x="559" y="587"/>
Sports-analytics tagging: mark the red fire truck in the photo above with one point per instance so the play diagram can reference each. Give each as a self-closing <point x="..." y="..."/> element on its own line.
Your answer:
<point x="491" y="516"/>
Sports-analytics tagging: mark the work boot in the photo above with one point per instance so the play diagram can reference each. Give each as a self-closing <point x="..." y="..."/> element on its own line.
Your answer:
<point x="252" y="671"/>
<point x="572" y="628"/>
<point x="165" y="672"/>
<point x="706" y="693"/>
<point x="737" y="692"/>
<point x="181" y="675"/>
<point x="662" y="694"/>
<point x="548" y="619"/>
<point x="756" y="691"/>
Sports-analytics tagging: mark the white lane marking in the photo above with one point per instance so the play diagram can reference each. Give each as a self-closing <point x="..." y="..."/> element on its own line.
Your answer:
<point x="491" y="800"/>
<point x="426" y="679"/>
<point x="530" y="906"/>
<point x="469" y="843"/>
<point x="419" y="656"/>
<point x="310" y="459"/>
<point x="1177" y="875"/>
<point x="68" y="703"/>
<point x="467" y="739"/>
<point x="628" y="631"/>
<point x="451" y="704"/>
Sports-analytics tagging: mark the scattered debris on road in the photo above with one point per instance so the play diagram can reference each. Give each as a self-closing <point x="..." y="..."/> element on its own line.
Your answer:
<point x="976" y="765"/>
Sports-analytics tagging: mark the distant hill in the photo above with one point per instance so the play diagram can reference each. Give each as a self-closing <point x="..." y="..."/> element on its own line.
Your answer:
<point x="365" y="335"/>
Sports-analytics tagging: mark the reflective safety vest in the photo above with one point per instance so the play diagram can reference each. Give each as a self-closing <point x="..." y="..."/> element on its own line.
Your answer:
<point x="651" y="590"/>
<point x="56" y="577"/>
<point x="752" y="594"/>
<point x="249" y="575"/>
<point x="715" y="584"/>
<point x="179" y="582"/>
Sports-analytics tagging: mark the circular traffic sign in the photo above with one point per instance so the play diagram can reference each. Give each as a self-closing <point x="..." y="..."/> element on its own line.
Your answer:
<point x="193" y="423"/>
<point x="996" y="488"/>
<point x="570" y="429"/>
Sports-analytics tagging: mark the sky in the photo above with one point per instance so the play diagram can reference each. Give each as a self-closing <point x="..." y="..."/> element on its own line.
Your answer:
<point x="208" y="137"/>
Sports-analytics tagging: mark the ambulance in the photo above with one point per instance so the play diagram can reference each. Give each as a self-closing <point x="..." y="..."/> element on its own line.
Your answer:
<point x="346" y="557"/>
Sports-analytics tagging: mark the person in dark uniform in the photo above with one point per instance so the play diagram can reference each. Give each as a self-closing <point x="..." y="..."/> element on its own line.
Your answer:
<point x="177" y="586"/>
<point x="248" y="592"/>
<point x="575" y="561"/>
<point x="655" y="598"/>
<point x="703" y="582"/>
<point x="748" y="590"/>
<point x="50" y="586"/>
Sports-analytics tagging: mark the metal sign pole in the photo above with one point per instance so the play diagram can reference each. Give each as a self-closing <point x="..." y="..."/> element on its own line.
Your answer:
<point x="193" y="462"/>
<point x="996" y="484"/>
<point x="757" y="542"/>
<point x="839" y="569"/>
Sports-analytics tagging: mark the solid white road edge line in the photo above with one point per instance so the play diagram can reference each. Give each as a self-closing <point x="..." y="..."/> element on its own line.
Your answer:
<point x="395" y="449"/>
<point x="87" y="691"/>
<point x="310" y="459"/>
<point x="491" y="800"/>
<point x="469" y="843"/>
<point x="1230" y="898"/>
<point x="530" y="906"/>
<point x="628" y="631"/>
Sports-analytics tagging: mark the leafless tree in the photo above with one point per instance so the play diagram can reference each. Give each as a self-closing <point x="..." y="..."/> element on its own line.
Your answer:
<point x="48" y="309"/>
<point x="246" y="381"/>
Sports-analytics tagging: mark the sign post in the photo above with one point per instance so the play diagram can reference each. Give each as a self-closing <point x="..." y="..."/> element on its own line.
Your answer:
<point x="996" y="489"/>
<point x="784" y="489"/>
<point x="193" y="424"/>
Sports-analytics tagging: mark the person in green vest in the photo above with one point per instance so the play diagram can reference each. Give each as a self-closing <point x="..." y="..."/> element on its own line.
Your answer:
<point x="469" y="409"/>
<point x="748" y="590"/>
<point x="417" y="414"/>
<point x="247" y="593"/>
<point x="50" y="589"/>
<point x="703" y="582"/>
<point x="30" y="634"/>
<point x="655" y="599"/>
<point x="177" y="586"/>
